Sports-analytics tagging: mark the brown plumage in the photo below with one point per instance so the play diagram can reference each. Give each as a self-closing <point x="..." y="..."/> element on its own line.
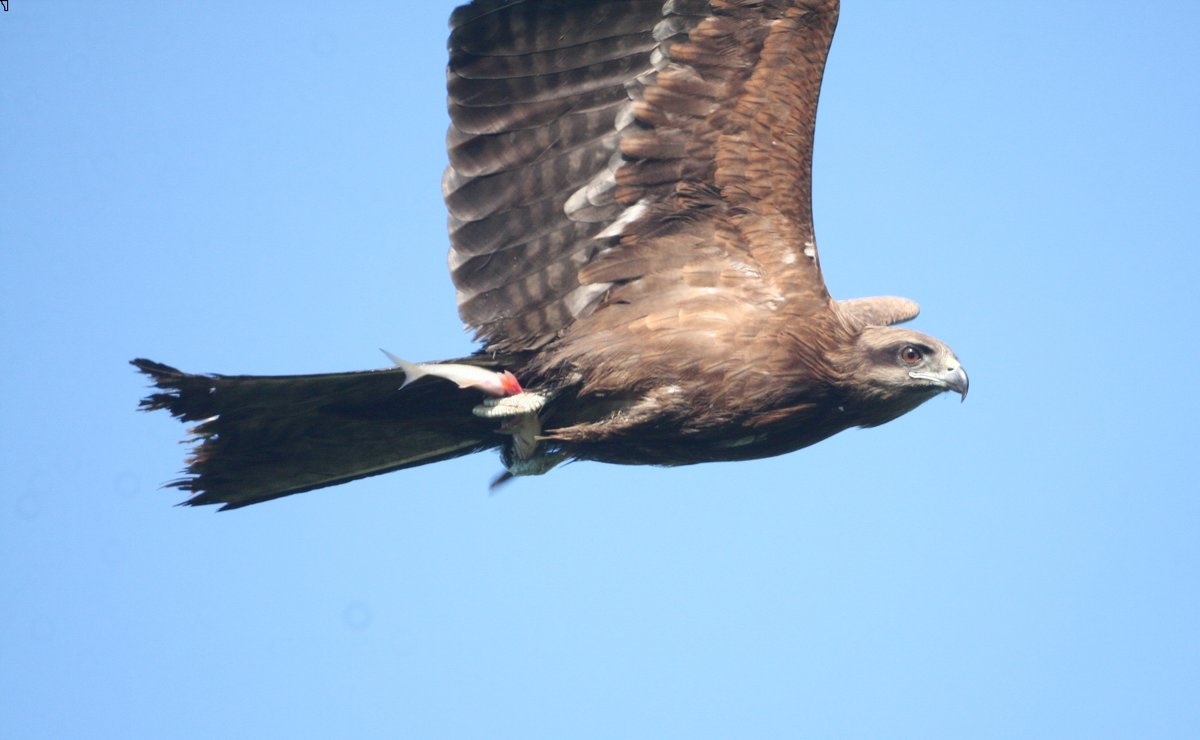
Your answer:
<point x="631" y="226"/>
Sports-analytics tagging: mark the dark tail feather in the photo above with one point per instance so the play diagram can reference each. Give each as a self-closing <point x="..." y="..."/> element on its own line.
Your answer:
<point x="262" y="437"/>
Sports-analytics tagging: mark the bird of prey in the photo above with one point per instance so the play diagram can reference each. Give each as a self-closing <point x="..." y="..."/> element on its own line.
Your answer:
<point x="632" y="242"/>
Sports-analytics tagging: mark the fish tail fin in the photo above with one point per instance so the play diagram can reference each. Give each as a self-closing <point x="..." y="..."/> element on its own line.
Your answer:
<point x="412" y="371"/>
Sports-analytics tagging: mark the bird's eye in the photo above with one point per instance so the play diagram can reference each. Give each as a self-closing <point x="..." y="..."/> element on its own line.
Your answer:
<point x="910" y="355"/>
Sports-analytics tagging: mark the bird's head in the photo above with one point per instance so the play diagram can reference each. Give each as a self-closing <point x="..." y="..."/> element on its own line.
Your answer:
<point x="891" y="371"/>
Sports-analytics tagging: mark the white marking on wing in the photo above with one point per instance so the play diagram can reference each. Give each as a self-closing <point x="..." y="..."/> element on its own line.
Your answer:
<point x="628" y="216"/>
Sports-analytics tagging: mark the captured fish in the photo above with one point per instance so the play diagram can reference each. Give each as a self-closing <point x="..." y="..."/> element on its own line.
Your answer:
<point x="464" y="376"/>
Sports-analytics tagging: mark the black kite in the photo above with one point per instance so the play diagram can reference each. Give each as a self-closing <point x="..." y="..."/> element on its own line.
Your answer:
<point x="631" y="226"/>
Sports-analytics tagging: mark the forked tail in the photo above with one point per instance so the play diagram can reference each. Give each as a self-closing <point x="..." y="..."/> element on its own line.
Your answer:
<point x="261" y="437"/>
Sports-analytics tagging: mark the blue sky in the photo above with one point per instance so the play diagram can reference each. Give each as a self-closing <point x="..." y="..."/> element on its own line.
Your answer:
<point x="256" y="190"/>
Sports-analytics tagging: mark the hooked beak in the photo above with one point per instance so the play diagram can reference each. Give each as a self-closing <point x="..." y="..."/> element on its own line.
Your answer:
<point x="952" y="379"/>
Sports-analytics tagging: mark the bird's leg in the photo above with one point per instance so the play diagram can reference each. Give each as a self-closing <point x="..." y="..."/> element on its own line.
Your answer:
<point x="524" y="430"/>
<point x="533" y="466"/>
<point x="519" y="416"/>
<point x="525" y="402"/>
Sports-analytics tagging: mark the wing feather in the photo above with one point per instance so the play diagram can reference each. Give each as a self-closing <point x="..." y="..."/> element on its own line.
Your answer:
<point x="546" y="86"/>
<point x="493" y="65"/>
<point x="502" y="230"/>
<point x="498" y="119"/>
<point x="475" y="198"/>
<point x="519" y="27"/>
<point x="472" y="155"/>
<point x="587" y="135"/>
<point x="538" y="95"/>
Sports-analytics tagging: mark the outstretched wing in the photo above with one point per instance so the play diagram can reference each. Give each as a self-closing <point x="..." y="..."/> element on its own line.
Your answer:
<point x="582" y="132"/>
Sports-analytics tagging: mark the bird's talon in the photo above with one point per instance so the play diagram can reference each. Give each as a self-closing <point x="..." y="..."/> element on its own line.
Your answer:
<point x="526" y="402"/>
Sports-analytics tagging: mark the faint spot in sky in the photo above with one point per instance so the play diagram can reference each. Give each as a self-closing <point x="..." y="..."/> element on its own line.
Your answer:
<point x="323" y="43"/>
<point x="41" y="628"/>
<point x="357" y="616"/>
<point x="126" y="484"/>
<point x="112" y="552"/>
<point x="28" y="505"/>
<point x="39" y="482"/>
